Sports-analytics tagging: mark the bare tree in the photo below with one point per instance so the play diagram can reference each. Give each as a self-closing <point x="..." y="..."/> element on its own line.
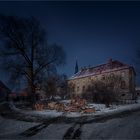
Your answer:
<point x="55" y="85"/>
<point x="105" y="90"/>
<point x="25" y="51"/>
<point x="63" y="86"/>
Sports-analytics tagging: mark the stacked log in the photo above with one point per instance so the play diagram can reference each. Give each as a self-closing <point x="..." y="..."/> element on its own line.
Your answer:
<point x="76" y="105"/>
<point x="88" y="110"/>
<point x="72" y="109"/>
<point x="59" y="107"/>
<point x="39" y="106"/>
<point x="56" y="106"/>
<point x="51" y="105"/>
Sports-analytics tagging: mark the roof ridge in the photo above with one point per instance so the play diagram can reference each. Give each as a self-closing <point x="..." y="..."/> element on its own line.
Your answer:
<point x="110" y="65"/>
<point x="102" y="64"/>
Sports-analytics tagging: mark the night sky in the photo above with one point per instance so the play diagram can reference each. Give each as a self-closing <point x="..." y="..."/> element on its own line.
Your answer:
<point x="90" y="32"/>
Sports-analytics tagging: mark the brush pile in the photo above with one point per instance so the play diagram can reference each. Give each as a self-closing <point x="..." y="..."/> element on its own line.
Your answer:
<point x="76" y="105"/>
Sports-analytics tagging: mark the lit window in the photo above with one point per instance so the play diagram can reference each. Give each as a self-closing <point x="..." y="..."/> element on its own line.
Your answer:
<point x="89" y="88"/>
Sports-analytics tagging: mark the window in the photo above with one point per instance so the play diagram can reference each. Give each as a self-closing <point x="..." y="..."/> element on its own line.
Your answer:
<point x="123" y="95"/>
<point x="103" y="77"/>
<point x="123" y="85"/>
<point x="73" y="87"/>
<point x="89" y="78"/>
<point x="111" y="84"/>
<point x="77" y="88"/>
<point x="123" y="74"/>
<point x="89" y="88"/>
<point x="112" y="75"/>
<point x="83" y="88"/>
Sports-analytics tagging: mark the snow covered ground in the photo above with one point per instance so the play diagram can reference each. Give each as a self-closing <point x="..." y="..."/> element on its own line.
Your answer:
<point x="10" y="129"/>
<point x="126" y="127"/>
<point x="101" y="109"/>
<point x="118" y="128"/>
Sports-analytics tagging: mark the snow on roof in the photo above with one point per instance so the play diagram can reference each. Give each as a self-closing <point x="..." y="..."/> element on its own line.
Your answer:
<point x="111" y="65"/>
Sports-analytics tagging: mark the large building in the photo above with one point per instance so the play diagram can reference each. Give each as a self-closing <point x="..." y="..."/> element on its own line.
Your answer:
<point x="86" y="77"/>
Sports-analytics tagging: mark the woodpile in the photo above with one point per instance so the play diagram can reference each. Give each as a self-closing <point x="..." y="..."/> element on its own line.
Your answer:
<point x="78" y="102"/>
<point x="60" y="107"/>
<point x="88" y="110"/>
<point x="56" y="106"/>
<point x="39" y="106"/>
<point x="72" y="109"/>
<point x="51" y="105"/>
<point x="76" y="105"/>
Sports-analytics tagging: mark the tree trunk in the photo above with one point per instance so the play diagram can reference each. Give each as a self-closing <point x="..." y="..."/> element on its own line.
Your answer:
<point x="31" y="87"/>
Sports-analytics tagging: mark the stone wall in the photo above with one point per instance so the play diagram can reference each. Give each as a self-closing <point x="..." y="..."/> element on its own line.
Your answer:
<point x="125" y="89"/>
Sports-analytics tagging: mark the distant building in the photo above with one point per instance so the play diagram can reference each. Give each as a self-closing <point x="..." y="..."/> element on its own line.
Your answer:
<point x="86" y="77"/>
<point x="4" y="91"/>
<point x="24" y="95"/>
<point x="18" y="95"/>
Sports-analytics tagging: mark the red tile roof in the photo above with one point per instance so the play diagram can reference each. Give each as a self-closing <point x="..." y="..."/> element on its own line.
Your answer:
<point x="111" y="65"/>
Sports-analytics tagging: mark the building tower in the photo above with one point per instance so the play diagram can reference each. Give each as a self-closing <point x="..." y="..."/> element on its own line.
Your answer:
<point x="76" y="67"/>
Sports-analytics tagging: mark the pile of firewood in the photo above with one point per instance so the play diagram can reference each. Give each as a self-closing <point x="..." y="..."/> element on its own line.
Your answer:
<point x="88" y="110"/>
<point x="76" y="105"/>
<point x="39" y="106"/>
<point x="56" y="106"/>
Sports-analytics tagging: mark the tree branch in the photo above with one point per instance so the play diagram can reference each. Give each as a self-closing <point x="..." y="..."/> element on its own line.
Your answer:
<point x="27" y="75"/>
<point x="8" y="53"/>
<point x="42" y="66"/>
<point x="17" y="46"/>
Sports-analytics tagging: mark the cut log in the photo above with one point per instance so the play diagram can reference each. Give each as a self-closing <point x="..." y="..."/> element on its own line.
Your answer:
<point x="88" y="110"/>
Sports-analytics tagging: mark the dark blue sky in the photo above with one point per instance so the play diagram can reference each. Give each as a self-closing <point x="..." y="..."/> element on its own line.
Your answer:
<point x="91" y="32"/>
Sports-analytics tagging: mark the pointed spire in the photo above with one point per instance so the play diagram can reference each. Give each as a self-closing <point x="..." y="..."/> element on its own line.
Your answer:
<point x="76" y="67"/>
